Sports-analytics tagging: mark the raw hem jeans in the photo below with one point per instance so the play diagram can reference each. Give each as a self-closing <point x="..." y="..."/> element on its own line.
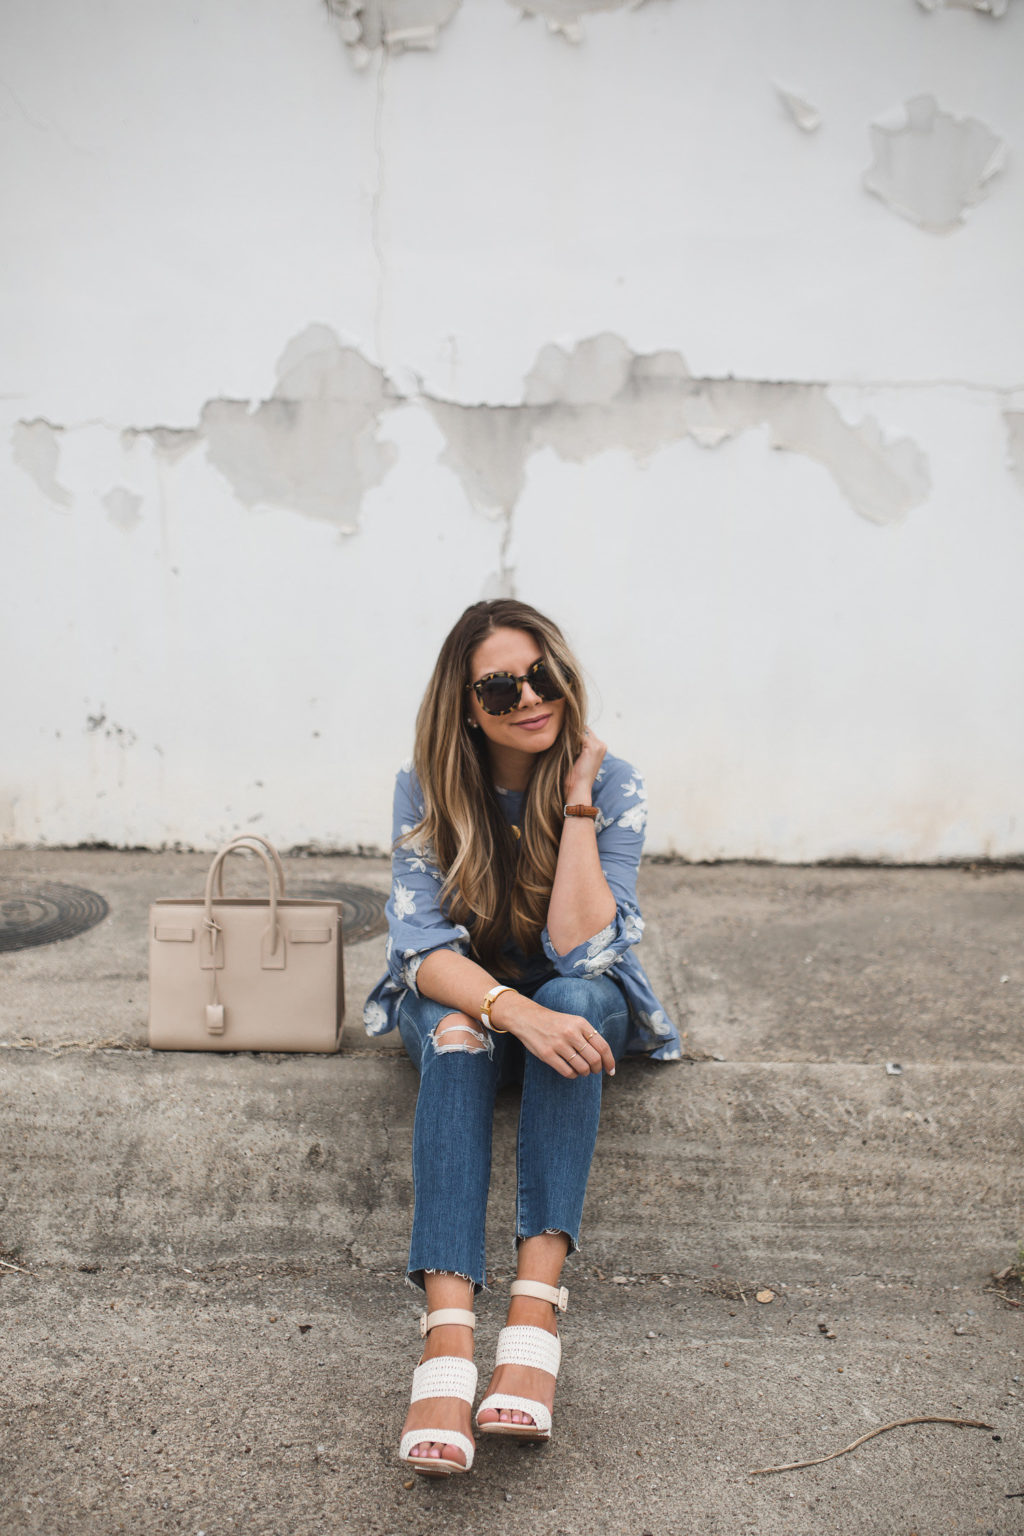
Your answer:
<point x="451" y="1150"/>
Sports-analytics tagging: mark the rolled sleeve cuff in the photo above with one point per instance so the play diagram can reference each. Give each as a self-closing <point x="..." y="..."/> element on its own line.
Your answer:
<point x="596" y="955"/>
<point x="405" y="968"/>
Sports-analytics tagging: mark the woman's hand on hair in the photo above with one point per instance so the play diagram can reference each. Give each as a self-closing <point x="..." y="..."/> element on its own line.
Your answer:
<point x="580" y="780"/>
<point x="565" y="1041"/>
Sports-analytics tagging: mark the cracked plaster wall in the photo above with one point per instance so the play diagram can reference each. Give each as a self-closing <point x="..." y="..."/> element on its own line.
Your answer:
<point x="398" y="26"/>
<point x="674" y="372"/>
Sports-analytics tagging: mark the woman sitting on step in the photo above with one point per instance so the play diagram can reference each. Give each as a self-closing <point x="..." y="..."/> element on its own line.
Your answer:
<point x="512" y="921"/>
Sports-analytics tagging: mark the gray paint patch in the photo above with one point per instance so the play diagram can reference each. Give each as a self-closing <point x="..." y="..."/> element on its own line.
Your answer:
<point x="36" y="449"/>
<point x="601" y="396"/>
<point x="593" y="373"/>
<point x="123" y="508"/>
<point x="487" y="446"/>
<point x="799" y="110"/>
<point x="929" y="165"/>
<point x="312" y="447"/>
<point x="395" y="25"/>
<point x="566" y="16"/>
<point x="1015" y="433"/>
<point x="171" y="443"/>
<point x="985" y="7"/>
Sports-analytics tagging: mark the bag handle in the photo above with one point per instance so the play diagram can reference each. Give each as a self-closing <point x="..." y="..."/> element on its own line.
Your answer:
<point x="251" y="842"/>
<point x="211" y="925"/>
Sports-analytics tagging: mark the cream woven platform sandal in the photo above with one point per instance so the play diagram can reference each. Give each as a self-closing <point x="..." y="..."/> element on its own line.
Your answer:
<point x="521" y="1345"/>
<point x="445" y="1376"/>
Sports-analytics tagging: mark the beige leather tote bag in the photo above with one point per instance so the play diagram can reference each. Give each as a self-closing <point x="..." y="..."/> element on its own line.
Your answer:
<point x="235" y="973"/>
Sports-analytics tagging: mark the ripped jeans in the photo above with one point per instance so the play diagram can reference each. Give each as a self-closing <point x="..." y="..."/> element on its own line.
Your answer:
<point x="451" y="1150"/>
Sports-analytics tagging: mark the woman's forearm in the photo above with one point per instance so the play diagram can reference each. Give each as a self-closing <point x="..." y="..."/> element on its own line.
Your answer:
<point x="562" y="1040"/>
<point x="581" y="901"/>
<point x="454" y="980"/>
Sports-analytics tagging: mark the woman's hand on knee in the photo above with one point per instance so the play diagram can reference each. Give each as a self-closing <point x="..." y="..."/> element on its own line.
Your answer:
<point x="565" y="1041"/>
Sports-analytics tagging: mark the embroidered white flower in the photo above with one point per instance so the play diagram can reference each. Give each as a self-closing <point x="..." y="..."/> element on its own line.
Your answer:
<point x="634" y="818"/>
<point x="634" y="927"/>
<point x="600" y="941"/>
<point x="375" y="1017"/>
<point x="404" y="900"/>
<point x="410" y="969"/>
<point x="406" y="766"/>
<point x="389" y="948"/>
<point x="601" y="820"/>
<point x="595" y="964"/>
<point x="656" y="1022"/>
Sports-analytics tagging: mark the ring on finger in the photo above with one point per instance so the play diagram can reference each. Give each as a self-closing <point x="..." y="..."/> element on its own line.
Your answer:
<point x="593" y="1032"/>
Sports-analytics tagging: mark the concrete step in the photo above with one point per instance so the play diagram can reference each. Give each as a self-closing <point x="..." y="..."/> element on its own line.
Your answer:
<point x="788" y="1170"/>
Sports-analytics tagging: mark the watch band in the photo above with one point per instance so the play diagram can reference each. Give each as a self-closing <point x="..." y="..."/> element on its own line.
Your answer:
<point x="488" y="1003"/>
<point x="581" y="810"/>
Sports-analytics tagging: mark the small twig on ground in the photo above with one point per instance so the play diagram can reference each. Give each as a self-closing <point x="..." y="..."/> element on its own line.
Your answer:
<point x="993" y="1290"/>
<point x="1016" y="1495"/>
<point x="928" y="1418"/>
<point x="5" y="1264"/>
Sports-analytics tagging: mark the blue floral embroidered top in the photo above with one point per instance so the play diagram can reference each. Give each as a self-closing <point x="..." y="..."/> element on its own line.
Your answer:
<point x="417" y="923"/>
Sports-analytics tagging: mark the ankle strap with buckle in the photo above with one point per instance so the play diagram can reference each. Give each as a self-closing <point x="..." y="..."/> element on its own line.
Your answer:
<point x="444" y="1315"/>
<point x="557" y="1295"/>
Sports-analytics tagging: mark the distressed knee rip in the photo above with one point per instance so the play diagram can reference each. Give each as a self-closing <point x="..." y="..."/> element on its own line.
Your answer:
<point x="460" y="1036"/>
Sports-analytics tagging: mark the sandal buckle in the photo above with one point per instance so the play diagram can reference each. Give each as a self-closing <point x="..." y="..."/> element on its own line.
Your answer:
<point x="563" y="1299"/>
<point x="423" y="1325"/>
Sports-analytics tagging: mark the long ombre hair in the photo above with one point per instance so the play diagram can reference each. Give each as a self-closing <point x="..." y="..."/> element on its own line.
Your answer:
<point x="495" y="884"/>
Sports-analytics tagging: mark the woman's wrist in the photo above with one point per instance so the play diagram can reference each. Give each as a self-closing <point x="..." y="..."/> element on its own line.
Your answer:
<point x="579" y="794"/>
<point x="505" y="1009"/>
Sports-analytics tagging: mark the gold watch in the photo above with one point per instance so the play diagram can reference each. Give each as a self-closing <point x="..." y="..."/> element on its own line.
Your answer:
<point x="488" y="1003"/>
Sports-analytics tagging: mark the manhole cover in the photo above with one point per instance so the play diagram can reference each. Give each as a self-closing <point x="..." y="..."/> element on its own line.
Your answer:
<point x="41" y="914"/>
<point x="362" y="909"/>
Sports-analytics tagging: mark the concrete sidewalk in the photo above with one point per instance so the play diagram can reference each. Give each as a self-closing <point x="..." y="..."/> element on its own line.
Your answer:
<point x="213" y="1334"/>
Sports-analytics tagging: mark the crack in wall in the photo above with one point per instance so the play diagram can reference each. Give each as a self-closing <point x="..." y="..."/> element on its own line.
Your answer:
<point x="376" y="205"/>
<point x="1015" y="433"/>
<point x="929" y="166"/>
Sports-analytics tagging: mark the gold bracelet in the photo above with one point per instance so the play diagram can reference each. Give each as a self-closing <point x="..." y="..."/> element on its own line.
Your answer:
<point x="488" y="1003"/>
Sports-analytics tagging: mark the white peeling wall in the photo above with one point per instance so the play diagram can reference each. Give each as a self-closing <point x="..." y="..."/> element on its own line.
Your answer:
<point x="698" y="325"/>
